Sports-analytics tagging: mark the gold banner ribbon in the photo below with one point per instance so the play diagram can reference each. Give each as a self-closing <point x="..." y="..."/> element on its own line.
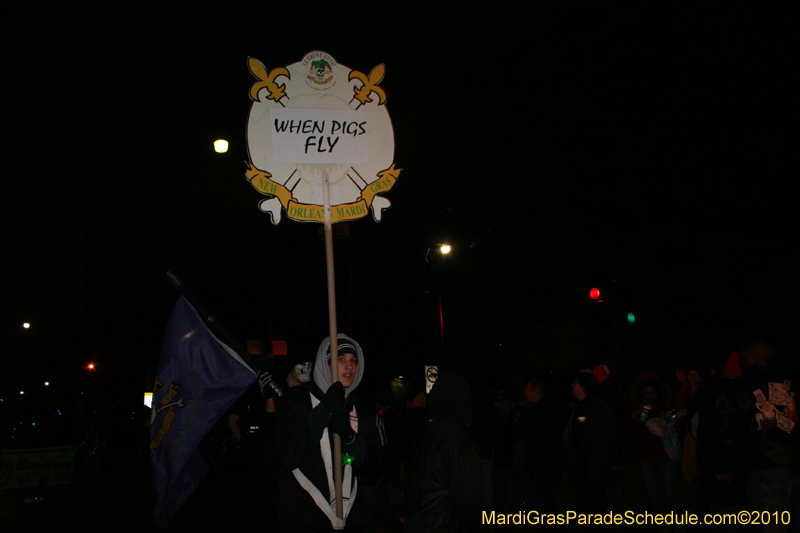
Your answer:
<point x="295" y="210"/>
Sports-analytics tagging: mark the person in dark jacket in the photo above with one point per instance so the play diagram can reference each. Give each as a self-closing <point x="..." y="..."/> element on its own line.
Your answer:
<point x="660" y="473"/>
<point x="444" y="486"/>
<point x="309" y="417"/>
<point x="542" y="423"/>
<point x="754" y="423"/>
<point x="716" y="496"/>
<point x="591" y="446"/>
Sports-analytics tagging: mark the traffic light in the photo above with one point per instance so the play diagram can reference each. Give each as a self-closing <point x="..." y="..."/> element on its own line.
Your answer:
<point x="594" y="294"/>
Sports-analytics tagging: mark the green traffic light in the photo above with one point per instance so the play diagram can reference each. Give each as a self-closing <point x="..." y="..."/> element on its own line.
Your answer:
<point x="631" y="318"/>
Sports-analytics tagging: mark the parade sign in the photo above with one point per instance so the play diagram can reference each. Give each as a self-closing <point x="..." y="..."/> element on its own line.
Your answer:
<point x="37" y="468"/>
<point x="316" y="118"/>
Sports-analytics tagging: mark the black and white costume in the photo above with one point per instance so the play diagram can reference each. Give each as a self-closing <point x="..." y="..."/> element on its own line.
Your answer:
<point x="305" y="449"/>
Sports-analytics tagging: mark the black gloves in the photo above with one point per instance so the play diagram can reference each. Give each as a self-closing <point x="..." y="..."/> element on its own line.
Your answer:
<point x="333" y="400"/>
<point x="340" y="425"/>
<point x="269" y="387"/>
<point x="333" y="412"/>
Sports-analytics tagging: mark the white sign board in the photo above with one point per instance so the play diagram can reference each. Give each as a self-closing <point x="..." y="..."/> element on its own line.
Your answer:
<point x="316" y="118"/>
<point x="37" y="468"/>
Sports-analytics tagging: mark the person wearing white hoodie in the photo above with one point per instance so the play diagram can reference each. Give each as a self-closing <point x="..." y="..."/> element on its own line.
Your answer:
<point x="313" y="413"/>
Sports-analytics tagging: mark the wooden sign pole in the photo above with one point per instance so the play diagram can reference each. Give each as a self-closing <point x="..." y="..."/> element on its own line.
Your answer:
<point x="337" y="441"/>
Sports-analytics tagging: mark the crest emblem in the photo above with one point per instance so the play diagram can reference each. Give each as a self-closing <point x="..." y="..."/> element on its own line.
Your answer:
<point x="320" y="72"/>
<point x="169" y="403"/>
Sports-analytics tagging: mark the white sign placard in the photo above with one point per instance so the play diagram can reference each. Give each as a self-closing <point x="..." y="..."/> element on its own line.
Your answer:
<point x="319" y="136"/>
<point x="37" y="468"/>
<point x="318" y="118"/>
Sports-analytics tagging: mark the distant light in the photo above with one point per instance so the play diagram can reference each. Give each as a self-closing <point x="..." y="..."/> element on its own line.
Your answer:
<point x="46" y="383"/>
<point x="631" y="318"/>
<point x="26" y="325"/>
<point x="59" y="412"/>
<point x="220" y="146"/>
<point x="594" y="294"/>
<point x="399" y="377"/>
<point x="22" y="392"/>
<point x="445" y="249"/>
<point x="90" y="366"/>
<point x="33" y="423"/>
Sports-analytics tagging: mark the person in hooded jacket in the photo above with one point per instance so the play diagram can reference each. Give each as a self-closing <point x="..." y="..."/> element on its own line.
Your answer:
<point x="310" y="416"/>
<point x="753" y="423"/>
<point x="444" y="485"/>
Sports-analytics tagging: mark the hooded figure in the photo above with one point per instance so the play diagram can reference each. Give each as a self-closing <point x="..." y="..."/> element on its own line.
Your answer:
<point x="313" y="413"/>
<point x="444" y="482"/>
<point x="322" y="366"/>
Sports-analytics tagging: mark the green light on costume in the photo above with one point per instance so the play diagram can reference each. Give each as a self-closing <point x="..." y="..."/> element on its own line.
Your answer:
<point x="631" y="318"/>
<point x="347" y="459"/>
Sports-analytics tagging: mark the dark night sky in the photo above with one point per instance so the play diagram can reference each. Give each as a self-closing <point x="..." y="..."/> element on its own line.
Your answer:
<point x="558" y="150"/>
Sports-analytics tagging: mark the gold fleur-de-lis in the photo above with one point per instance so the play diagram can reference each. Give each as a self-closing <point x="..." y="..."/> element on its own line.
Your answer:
<point x="276" y="92"/>
<point x="370" y="85"/>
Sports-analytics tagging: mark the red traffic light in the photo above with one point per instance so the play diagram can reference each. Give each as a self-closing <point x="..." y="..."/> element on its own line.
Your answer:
<point x="594" y="294"/>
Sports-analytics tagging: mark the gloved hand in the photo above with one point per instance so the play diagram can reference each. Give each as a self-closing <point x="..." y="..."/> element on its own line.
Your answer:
<point x="333" y="400"/>
<point x="340" y="425"/>
<point x="269" y="387"/>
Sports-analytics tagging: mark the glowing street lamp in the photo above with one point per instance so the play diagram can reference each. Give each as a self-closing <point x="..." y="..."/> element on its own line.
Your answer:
<point x="220" y="146"/>
<point x="26" y="325"/>
<point x="445" y="248"/>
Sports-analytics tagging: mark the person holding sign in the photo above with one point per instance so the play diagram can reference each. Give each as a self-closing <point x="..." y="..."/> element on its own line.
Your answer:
<point x="313" y="413"/>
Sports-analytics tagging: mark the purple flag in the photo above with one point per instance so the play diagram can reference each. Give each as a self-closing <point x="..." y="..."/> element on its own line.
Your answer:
<point x="198" y="380"/>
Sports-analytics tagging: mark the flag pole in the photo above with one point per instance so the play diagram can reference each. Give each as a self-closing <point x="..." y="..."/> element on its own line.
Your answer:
<point x="213" y="323"/>
<point x="333" y="329"/>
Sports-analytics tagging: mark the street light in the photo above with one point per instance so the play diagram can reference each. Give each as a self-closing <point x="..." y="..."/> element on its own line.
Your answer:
<point x="26" y="325"/>
<point x="220" y="146"/>
<point x="444" y="248"/>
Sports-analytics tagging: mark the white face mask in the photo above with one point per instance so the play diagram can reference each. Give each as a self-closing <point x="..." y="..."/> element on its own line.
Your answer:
<point x="303" y="372"/>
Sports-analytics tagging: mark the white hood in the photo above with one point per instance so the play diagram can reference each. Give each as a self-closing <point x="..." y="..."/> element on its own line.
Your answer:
<point x="322" y="369"/>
